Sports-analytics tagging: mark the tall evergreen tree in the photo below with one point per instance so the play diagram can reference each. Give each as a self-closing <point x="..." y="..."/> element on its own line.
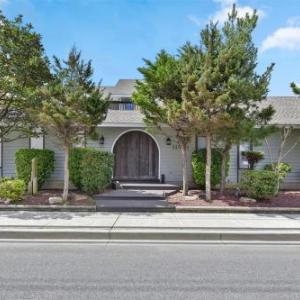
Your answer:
<point x="160" y="97"/>
<point x="295" y="88"/>
<point x="72" y="105"/>
<point x="23" y="68"/>
<point x="226" y="82"/>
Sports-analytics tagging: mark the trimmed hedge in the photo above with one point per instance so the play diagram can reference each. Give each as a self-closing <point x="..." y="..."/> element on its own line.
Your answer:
<point x="45" y="164"/>
<point x="198" y="166"/>
<point x="75" y="159"/>
<point x="283" y="170"/>
<point x="12" y="189"/>
<point x="90" y="169"/>
<point x="259" y="184"/>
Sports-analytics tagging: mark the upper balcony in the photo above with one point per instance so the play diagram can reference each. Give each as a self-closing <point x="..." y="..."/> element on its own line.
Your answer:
<point x="128" y="105"/>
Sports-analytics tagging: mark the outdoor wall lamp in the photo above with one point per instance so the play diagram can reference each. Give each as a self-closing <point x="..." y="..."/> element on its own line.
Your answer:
<point x="168" y="141"/>
<point x="101" y="140"/>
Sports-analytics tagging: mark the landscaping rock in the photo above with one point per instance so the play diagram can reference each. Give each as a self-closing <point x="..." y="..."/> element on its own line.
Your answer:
<point x="191" y="197"/>
<point x="247" y="200"/>
<point x="55" y="200"/>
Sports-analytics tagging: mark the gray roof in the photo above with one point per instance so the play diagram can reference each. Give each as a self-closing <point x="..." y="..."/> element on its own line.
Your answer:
<point x="123" y="118"/>
<point x="287" y="110"/>
<point x="123" y="89"/>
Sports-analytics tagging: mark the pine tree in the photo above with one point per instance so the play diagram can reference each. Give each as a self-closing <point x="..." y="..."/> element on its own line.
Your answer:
<point x="225" y="84"/>
<point x="295" y="88"/>
<point x="159" y="96"/>
<point x="72" y="105"/>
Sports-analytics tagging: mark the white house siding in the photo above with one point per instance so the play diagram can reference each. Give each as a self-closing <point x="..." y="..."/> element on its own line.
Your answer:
<point x="170" y="156"/>
<point x="57" y="176"/>
<point x="9" y="151"/>
<point x="292" y="181"/>
<point x="293" y="157"/>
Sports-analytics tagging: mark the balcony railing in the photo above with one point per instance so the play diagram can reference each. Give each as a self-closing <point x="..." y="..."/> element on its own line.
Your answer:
<point x="123" y="106"/>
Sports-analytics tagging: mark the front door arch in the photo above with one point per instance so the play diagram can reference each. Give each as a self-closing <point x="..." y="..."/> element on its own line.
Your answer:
<point x="136" y="157"/>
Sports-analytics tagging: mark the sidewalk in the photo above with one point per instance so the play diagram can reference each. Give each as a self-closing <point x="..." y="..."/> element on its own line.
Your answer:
<point x="150" y="226"/>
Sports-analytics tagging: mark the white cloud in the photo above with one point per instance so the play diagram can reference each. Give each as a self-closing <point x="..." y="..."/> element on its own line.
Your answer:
<point x="197" y="21"/>
<point x="225" y="8"/>
<point x="293" y="21"/>
<point x="283" y="38"/>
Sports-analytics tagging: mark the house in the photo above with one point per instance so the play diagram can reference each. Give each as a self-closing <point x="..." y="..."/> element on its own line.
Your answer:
<point x="154" y="155"/>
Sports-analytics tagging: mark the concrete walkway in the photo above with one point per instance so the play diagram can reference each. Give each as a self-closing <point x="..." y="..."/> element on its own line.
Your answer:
<point x="143" y="226"/>
<point x="149" y="220"/>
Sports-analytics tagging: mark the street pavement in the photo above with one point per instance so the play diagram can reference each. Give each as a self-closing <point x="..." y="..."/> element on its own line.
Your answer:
<point x="131" y="271"/>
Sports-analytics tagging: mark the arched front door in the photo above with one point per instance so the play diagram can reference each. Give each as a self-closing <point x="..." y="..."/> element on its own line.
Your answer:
<point x="136" y="157"/>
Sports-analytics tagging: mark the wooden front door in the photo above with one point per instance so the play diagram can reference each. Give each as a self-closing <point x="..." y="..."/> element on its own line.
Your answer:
<point x="136" y="157"/>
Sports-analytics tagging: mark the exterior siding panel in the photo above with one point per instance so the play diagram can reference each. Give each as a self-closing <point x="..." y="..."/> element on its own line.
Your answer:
<point x="9" y="151"/>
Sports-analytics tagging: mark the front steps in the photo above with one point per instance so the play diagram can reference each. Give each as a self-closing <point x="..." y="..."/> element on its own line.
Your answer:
<point x="136" y="197"/>
<point x="146" y="186"/>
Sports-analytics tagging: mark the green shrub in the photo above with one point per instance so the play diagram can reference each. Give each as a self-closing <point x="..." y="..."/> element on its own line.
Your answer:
<point x="12" y="189"/>
<point x="45" y="164"/>
<point x="75" y="160"/>
<point x="253" y="157"/>
<point x="259" y="184"/>
<point x="283" y="170"/>
<point x="91" y="169"/>
<point x="198" y="165"/>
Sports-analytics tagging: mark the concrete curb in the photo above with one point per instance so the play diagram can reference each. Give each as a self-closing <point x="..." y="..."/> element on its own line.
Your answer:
<point x="208" y="209"/>
<point x="139" y="234"/>
<point x="67" y="208"/>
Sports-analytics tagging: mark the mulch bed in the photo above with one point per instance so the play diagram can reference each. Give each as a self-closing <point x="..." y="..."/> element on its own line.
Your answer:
<point x="75" y="198"/>
<point x="196" y="198"/>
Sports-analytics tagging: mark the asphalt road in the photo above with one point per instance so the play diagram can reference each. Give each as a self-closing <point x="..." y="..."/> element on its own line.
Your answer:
<point x="95" y="271"/>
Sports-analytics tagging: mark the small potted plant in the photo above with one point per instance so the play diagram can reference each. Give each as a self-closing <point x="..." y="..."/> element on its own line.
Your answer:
<point x="253" y="157"/>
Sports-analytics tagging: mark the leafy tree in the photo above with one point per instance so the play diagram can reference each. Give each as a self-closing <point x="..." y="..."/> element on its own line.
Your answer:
<point x="23" y="68"/>
<point x="72" y="105"/>
<point x="160" y="97"/>
<point x="225" y="83"/>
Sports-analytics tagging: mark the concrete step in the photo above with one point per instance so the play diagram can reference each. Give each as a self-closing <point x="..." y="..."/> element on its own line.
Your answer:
<point x="145" y="195"/>
<point x="134" y="206"/>
<point x="147" y="186"/>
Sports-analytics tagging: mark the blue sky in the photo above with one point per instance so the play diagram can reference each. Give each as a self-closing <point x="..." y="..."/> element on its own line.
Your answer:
<point x="117" y="34"/>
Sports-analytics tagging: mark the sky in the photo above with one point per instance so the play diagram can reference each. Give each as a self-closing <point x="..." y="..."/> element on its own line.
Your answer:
<point x="117" y="34"/>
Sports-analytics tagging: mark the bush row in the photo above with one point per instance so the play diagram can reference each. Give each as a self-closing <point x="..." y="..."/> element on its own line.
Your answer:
<point x="198" y="167"/>
<point x="45" y="164"/>
<point x="12" y="189"/>
<point x="258" y="184"/>
<point x="90" y="169"/>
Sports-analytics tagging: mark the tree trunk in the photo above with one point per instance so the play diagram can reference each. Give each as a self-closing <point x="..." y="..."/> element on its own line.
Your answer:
<point x="225" y="155"/>
<point x="66" y="173"/>
<point x="185" y="187"/>
<point x="208" y="169"/>
<point x="223" y="173"/>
